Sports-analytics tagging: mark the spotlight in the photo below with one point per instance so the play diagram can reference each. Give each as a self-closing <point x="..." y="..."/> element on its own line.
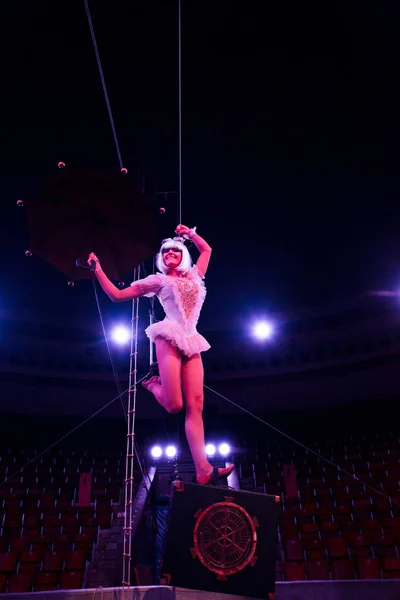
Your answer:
<point x="171" y="451"/>
<point x="156" y="452"/>
<point x="121" y="335"/>
<point x="210" y="449"/>
<point x="262" y="330"/>
<point x="224" y="449"/>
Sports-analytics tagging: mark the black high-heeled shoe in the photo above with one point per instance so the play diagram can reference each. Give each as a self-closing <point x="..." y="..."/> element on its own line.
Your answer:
<point x="215" y="475"/>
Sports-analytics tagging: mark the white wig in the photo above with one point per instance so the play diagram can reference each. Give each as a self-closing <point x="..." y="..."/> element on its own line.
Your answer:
<point x="186" y="261"/>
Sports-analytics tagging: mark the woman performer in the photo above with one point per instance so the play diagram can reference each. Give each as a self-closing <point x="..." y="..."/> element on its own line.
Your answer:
<point x="180" y="289"/>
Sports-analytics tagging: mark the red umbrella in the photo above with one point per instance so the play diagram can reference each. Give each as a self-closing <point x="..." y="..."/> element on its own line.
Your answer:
<point x="80" y="212"/>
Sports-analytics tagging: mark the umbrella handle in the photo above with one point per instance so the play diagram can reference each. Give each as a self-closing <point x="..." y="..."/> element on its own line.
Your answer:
<point x="91" y="267"/>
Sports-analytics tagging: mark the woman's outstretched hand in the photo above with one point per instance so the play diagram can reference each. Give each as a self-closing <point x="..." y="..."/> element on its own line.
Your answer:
<point x="93" y="257"/>
<point x="183" y="230"/>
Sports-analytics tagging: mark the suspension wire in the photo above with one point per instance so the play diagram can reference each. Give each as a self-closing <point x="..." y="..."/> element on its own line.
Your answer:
<point x="103" y="81"/>
<point x="327" y="460"/>
<point x="179" y="113"/>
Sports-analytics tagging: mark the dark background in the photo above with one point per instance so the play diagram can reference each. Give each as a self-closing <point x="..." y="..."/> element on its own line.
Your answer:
<point x="290" y="139"/>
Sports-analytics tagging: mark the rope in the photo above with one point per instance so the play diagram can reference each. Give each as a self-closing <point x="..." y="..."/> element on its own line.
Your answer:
<point x="367" y="485"/>
<point x="103" y="82"/>
<point x="179" y="113"/>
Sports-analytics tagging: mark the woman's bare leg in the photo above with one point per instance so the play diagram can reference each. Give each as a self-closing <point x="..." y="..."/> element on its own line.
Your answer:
<point x="168" y="393"/>
<point x="192" y="385"/>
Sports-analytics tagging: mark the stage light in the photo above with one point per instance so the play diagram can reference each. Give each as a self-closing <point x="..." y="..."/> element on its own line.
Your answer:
<point x="121" y="335"/>
<point x="262" y="330"/>
<point x="156" y="452"/>
<point x="210" y="449"/>
<point x="171" y="451"/>
<point x="224" y="449"/>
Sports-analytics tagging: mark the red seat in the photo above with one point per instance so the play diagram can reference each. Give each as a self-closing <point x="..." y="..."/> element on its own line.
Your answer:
<point x="384" y="544"/>
<point x="71" y="580"/>
<point x="87" y="520"/>
<point x="309" y="530"/>
<point x="3" y="581"/>
<point x="51" y="533"/>
<point x="21" y="543"/>
<point x="63" y="542"/>
<point x="83" y="542"/>
<point x="329" y="529"/>
<point x="360" y="545"/>
<point x="391" y="568"/>
<point x="30" y="561"/>
<point x="51" y="522"/>
<point x="70" y="524"/>
<point x="343" y="568"/>
<point x="41" y="542"/>
<point x="294" y="550"/>
<point x="391" y="523"/>
<point x="32" y="521"/>
<point x="75" y="560"/>
<point x="288" y="513"/>
<point x="337" y="548"/>
<point x="369" y="568"/>
<point x="362" y="506"/>
<point x="46" y="581"/>
<point x="341" y="509"/>
<point x="19" y="583"/>
<point x="12" y="525"/>
<point x="369" y="524"/>
<point x="381" y="506"/>
<point x="306" y="514"/>
<point x="318" y="570"/>
<point x="324" y="496"/>
<point x="341" y="495"/>
<point x="53" y="561"/>
<point x="288" y="529"/>
<point x="323" y="513"/>
<point x="294" y="571"/>
<point x="315" y="548"/>
<point x="8" y="562"/>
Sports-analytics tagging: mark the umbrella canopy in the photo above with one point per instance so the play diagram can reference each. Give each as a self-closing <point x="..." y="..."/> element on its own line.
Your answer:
<point x="80" y="212"/>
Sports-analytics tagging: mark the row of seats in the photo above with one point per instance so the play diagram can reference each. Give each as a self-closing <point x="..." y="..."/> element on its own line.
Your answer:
<point x="46" y="540"/>
<point x="30" y="561"/>
<point x="346" y="568"/>
<point x="39" y="570"/>
<point x="20" y="583"/>
<point x="351" y="546"/>
<point x="70" y="493"/>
